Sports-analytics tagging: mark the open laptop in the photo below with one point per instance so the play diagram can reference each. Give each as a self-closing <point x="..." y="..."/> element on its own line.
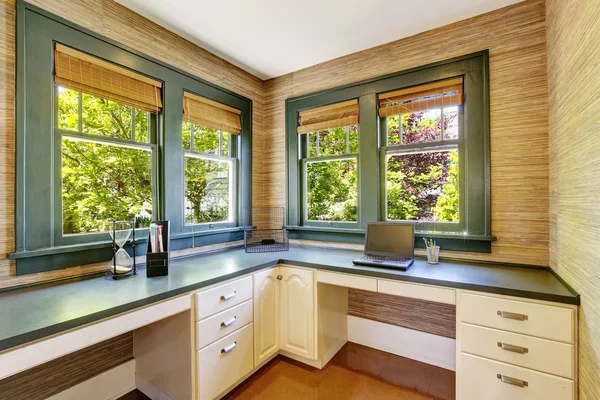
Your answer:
<point x="389" y="244"/>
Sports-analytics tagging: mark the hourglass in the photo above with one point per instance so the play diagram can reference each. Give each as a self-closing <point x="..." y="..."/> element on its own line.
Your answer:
<point x="122" y="264"/>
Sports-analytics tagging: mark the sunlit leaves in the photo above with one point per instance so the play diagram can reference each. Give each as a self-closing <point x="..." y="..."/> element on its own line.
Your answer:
<point x="207" y="184"/>
<point x="331" y="190"/>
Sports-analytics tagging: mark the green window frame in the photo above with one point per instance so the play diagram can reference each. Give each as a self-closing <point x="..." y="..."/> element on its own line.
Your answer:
<point x="40" y="244"/>
<point x="473" y="231"/>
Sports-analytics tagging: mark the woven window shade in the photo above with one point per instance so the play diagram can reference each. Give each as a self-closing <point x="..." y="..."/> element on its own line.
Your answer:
<point x="79" y="71"/>
<point x="330" y="116"/>
<point x="202" y="111"/>
<point x="446" y="93"/>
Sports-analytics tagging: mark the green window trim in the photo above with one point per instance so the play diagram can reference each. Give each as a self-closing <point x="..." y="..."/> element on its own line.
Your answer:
<point x="40" y="245"/>
<point x="473" y="231"/>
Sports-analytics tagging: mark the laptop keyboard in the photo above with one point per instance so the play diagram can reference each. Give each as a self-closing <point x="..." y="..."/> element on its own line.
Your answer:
<point x="380" y="259"/>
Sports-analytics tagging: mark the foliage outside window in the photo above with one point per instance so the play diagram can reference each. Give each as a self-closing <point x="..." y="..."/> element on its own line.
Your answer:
<point x="209" y="188"/>
<point x="422" y="181"/>
<point x="107" y="162"/>
<point x="331" y="174"/>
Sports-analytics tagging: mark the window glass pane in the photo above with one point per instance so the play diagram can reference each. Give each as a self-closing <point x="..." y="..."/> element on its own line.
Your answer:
<point x="332" y="142"/>
<point x="186" y="133"/>
<point x="225" y="144"/>
<point x="206" y="140"/>
<point x="105" y="118"/>
<point x="101" y="183"/>
<point x="141" y="126"/>
<point x="423" y="186"/>
<point x="419" y="127"/>
<point x="331" y="190"/>
<point x="312" y="144"/>
<point x="207" y="190"/>
<point x="68" y="109"/>
<point x="450" y="123"/>
<point x="353" y="138"/>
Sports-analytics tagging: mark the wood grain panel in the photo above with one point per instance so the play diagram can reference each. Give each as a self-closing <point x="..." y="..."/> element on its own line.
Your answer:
<point x="421" y="315"/>
<point x="118" y="23"/>
<point x="55" y="376"/>
<point x="574" y="104"/>
<point x="516" y="39"/>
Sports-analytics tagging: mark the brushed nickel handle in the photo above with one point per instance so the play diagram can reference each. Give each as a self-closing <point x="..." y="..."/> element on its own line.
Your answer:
<point x="512" y="315"/>
<point x="230" y="321"/>
<point x="512" y="381"/>
<point x="229" y="348"/>
<point x="513" y="348"/>
<point x="279" y="277"/>
<point x="228" y="296"/>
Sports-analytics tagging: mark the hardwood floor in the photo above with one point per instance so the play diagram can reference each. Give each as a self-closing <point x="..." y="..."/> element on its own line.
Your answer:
<point x="356" y="372"/>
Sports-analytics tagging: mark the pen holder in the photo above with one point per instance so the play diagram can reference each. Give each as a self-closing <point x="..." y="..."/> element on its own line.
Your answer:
<point x="433" y="254"/>
<point x="157" y="255"/>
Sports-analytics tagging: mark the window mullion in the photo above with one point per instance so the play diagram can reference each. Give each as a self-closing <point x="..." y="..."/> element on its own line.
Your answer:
<point x="191" y="137"/>
<point x="133" y="115"/>
<point x="79" y="112"/>
<point x="317" y="144"/>
<point x="220" y="150"/>
<point x="347" y="140"/>
<point x="442" y="122"/>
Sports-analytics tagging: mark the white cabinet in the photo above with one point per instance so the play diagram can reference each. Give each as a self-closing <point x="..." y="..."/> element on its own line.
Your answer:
<point x="266" y="315"/>
<point x="297" y="312"/>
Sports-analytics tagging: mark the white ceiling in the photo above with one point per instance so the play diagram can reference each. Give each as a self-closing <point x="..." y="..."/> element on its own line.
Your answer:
<point x="269" y="38"/>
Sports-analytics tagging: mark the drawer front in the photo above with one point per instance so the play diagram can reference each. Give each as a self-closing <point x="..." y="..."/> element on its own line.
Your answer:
<point x="347" y="280"/>
<point x="220" y="298"/>
<point x="224" y="362"/>
<point x="213" y="328"/>
<point x="525" y="351"/>
<point x="491" y="380"/>
<point x="423" y="292"/>
<point x="548" y="322"/>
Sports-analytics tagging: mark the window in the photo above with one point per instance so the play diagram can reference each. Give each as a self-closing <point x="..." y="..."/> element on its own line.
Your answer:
<point x="210" y="161"/>
<point x="422" y="155"/>
<point x="99" y="138"/>
<point x="103" y="179"/>
<point x="329" y="163"/>
<point x="422" y="130"/>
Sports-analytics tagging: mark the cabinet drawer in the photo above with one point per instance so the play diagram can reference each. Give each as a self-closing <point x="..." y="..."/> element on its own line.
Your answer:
<point x="222" y="297"/>
<point x="555" y="323"/>
<point x="486" y="379"/>
<point x="526" y="351"/>
<point x="222" y="324"/>
<point x="423" y="292"/>
<point x="224" y="362"/>
<point x="347" y="280"/>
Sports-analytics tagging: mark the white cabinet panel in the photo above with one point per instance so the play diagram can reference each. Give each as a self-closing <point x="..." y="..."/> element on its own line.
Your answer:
<point x="297" y="312"/>
<point x="213" y="328"/>
<point x="266" y="315"/>
<point x="220" y="298"/>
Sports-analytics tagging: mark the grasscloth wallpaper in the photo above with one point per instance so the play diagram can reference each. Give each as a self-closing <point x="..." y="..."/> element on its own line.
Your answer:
<point x="516" y="39"/>
<point x="574" y="83"/>
<point x="118" y="23"/>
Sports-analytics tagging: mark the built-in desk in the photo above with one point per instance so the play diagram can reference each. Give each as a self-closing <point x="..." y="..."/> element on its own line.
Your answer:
<point x="62" y="309"/>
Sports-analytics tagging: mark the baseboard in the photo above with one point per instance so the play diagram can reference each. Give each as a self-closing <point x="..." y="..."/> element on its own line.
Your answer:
<point x="425" y="347"/>
<point x="109" y="385"/>
<point x="150" y="390"/>
<point x="303" y="360"/>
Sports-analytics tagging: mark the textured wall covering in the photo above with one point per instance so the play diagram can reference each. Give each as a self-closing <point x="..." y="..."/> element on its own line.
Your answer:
<point x="118" y="23"/>
<point x="516" y="39"/>
<point x="574" y="104"/>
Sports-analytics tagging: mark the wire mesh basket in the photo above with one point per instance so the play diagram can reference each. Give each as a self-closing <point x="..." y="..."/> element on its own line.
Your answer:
<point x="264" y="230"/>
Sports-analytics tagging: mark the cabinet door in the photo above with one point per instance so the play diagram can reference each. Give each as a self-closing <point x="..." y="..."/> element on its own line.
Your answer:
<point x="266" y="315"/>
<point x="297" y="311"/>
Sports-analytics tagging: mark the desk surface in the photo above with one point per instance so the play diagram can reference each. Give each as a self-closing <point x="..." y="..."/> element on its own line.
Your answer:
<point x="34" y="313"/>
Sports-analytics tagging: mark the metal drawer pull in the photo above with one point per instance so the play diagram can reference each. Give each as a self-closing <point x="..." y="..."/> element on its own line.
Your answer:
<point x="229" y="348"/>
<point x="512" y="315"/>
<point x="228" y="296"/>
<point x="512" y="381"/>
<point x="230" y="321"/>
<point x="513" y="348"/>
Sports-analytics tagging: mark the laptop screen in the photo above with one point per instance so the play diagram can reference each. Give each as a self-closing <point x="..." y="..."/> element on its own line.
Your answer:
<point x="390" y="238"/>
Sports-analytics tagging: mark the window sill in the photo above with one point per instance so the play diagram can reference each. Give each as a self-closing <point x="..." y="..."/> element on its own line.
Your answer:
<point x="51" y="258"/>
<point x="447" y="241"/>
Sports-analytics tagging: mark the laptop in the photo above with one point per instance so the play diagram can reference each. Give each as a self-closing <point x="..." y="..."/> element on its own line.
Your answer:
<point x="389" y="244"/>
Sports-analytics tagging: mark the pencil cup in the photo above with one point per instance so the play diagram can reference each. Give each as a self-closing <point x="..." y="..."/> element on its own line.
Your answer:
<point x="433" y="254"/>
<point x="157" y="255"/>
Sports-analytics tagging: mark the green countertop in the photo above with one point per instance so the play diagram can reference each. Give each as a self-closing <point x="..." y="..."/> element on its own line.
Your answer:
<point x="34" y="313"/>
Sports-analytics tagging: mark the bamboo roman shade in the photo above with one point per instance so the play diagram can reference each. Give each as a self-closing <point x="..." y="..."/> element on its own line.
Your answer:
<point x="446" y="93"/>
<point x="79" y="71"/>
<point x="329" y="116"/>
<point x="202" y="111"/>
